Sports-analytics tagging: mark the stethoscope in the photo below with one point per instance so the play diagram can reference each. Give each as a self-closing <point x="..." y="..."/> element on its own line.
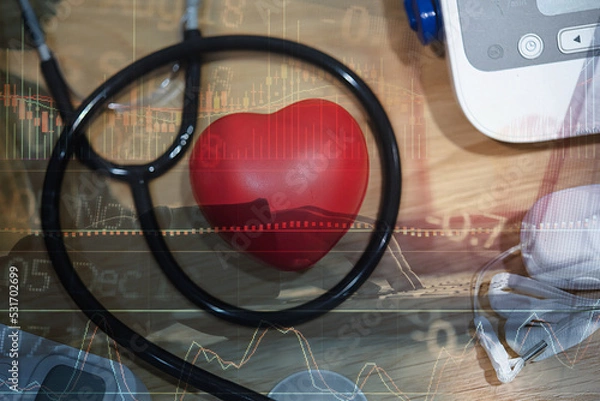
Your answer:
<point x="73" y="142"/>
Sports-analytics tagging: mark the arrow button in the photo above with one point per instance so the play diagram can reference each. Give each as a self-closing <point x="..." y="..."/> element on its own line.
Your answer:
<point x="579" y="38"/>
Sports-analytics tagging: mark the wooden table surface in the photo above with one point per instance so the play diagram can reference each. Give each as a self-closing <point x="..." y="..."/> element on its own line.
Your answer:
<point x="408" y="333"/>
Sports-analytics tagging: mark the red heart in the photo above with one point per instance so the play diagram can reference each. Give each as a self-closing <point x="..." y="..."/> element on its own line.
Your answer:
<point x="284" y="187"/>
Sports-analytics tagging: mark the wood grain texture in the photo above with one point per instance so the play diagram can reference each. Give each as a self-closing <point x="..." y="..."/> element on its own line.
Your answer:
<point x="408" y="334"/>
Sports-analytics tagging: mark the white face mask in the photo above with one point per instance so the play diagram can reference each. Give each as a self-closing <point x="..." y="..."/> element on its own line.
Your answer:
<point x="559" y="240"/>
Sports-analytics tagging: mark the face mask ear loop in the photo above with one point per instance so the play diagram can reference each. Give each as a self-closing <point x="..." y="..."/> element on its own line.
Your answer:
<point x="506" y="368"/>
<point x="541" y="290"/>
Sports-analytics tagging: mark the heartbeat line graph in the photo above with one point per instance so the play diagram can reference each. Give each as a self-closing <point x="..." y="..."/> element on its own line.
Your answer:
<point x="83" y="354"/>
<point x="197" y="354"/>
<point x="290" y="226"/>
<point x="39" y="112"/>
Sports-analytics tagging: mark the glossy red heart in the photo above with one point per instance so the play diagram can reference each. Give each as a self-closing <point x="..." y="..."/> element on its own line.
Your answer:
<point x="286" y="186"/>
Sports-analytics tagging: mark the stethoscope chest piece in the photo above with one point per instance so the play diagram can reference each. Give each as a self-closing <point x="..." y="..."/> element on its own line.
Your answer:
<point x="316" y="385"/>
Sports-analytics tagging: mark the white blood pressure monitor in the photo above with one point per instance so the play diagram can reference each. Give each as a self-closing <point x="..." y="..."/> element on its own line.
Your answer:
<point x="34" y="368"/>
<point x="523" y="70"/>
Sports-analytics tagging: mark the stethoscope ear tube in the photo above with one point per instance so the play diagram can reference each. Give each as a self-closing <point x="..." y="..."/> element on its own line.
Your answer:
<point x="69" y="143"/>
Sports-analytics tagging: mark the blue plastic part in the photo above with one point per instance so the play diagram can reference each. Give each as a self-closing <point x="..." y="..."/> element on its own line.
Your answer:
<point x="425" y="19"/>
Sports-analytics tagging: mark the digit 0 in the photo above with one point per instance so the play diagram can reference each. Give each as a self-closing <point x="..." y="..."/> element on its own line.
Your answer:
<point x="441" y="335"/>
<point x="355" y="25"/>
<point x="222" y="77"/>
<point x="43" y="277"/>
<point x="457" y="234"/>
<point x="233" y="15"/>
<point x="23" y="197"/>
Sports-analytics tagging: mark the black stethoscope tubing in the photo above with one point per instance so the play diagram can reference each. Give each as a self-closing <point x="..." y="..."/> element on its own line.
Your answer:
<point x="73" y="139"/>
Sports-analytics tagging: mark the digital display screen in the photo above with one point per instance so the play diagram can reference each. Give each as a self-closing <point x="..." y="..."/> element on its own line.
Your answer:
<point x="68" y="384"/>
<point x="557" y="7"/>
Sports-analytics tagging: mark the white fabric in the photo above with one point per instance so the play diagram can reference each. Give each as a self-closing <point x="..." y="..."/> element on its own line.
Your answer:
<point x="506" y="368"/>
<point x="535" y="311"/>
<point x="560" y="239"/>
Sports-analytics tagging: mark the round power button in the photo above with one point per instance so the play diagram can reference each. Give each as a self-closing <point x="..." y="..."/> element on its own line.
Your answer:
<point x="531" y="46"/>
